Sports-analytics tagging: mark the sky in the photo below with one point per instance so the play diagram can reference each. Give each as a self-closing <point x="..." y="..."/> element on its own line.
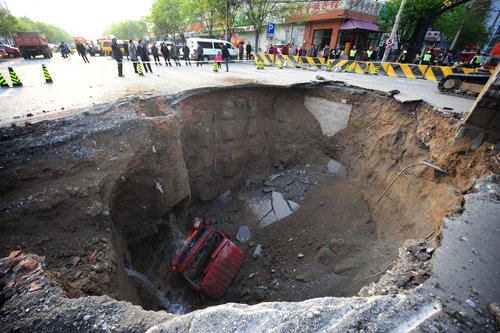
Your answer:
<point x="86" y="18"/>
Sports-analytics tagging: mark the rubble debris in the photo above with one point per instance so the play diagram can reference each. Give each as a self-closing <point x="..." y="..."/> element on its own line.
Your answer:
<point x="20" y="273"/>
<point x="244" y="234"/>
<point x="412" y="267"/>
<point x="258" y="252"/>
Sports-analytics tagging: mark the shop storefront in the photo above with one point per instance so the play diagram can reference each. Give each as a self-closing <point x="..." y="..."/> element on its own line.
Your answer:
<point x="342" y="23"/>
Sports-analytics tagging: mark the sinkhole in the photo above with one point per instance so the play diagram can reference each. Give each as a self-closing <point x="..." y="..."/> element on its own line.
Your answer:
<point x="292" y="175"/>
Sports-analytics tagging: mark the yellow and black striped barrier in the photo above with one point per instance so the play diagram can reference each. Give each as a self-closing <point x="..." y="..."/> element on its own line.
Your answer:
<point x="16" y="82"/>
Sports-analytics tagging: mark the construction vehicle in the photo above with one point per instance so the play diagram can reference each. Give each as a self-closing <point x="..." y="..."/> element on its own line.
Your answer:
<point x="470" y="85"/>
<point x="31" y="44"/>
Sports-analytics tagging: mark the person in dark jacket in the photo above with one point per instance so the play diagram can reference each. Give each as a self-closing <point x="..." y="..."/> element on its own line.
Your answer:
<point x="249" y="51"/>
<point x="225" y="55"/>
<point x="166" y="54"/>
<point x="144" y="54"/>
<point x="185" y="54"/>
<point x="199" y="56"/>
<point x="240" y="51"/>
<point x="156" y="55"/>
<point x="174" y="51"/>
<point x="81" y="51"/>
<point x="117" y="55"/>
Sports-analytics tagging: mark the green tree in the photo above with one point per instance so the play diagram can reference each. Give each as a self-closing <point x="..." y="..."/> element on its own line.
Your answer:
<point x="204" y="11"/>
<point x="8" y="22"/>
<point x="258" y="11"/>
<point x="232" y="7"/>
<point x="127" y="30"/>
<point x="170" y="17"/>
<point x="474" y="29"/>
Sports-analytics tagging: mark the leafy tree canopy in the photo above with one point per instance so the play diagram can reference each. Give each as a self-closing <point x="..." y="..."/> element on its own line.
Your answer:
<point x="473" y="19"/>
<point x="12" y="24"/>
<point x="127" y="30"/>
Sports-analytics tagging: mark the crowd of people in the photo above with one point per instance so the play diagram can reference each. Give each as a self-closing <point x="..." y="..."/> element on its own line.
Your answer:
<point x="140" y="54"/>
<point x="429" y="57"/>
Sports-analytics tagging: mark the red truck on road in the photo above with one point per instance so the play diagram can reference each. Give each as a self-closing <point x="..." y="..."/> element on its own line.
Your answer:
<point x="208" y="260"/>
<point x="31" y="44"/>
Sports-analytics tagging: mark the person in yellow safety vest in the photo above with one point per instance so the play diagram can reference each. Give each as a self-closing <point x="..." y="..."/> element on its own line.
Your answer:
<point x="476" y="61"/>
<point x="427" y="58"/>
<point x="417" y="59"/>
<point x="352" y="53"/>
<point x="370" y="52"/>
<point x="402" y="57"/>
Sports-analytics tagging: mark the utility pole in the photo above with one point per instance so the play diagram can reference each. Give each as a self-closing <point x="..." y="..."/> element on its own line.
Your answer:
<point x="394" y="29"/>
<point x="227" y="24"/>
<point x="460" y="29"/>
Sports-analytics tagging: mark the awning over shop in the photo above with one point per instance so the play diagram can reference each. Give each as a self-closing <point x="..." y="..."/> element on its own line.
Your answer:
<point x="357" y="24"/>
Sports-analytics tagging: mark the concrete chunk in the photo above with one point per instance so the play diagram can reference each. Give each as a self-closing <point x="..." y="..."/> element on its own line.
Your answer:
<point x="337" y="168"/>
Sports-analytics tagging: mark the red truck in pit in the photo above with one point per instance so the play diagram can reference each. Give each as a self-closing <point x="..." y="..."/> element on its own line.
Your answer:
<point x="208" y="260"/>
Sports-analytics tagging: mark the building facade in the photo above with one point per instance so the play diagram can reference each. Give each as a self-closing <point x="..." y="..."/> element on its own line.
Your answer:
<point x="342" y="23"/>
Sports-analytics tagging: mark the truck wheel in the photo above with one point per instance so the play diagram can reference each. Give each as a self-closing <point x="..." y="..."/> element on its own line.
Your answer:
<point x="11" y="55"/>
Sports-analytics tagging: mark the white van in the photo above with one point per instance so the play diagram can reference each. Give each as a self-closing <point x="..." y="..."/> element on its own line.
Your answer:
<point x="210" y="48"/>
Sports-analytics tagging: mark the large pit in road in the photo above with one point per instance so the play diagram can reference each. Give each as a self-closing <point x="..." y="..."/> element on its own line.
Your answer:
<point x="127" y="179"/>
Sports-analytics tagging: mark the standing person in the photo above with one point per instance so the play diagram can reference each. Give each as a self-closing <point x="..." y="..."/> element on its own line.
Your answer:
<point x="427" y="58"/>
<point x="275" y="52"/>
<point x="218" y="60"/>
<point x="369" y="53"/>
<point x="240" y="51"/>
<point x="338" y="52"/>
<point x="316" y="50"/>
<point x="144" y="54"/>
<point x="375" y="54"/>
<point x="156" y="56"/>
<point x="174" y="51"/>
<point x="117" y="55"/>
<point x="326" y="52"/>
<point x="310" y="52"/>
<point x="132" y="51"/>
<point x="352" y="53"/>
<point x="199" y="56"/>
<point x="225" y="55"/>
<point x="166" y="54"/>
<point x="81" y="51"/>
<point x="402" y="57"/>
<point x="364" y="56"/>
<point x="185" y="54"/>
<point x="249" y="51"/>
<point x="476" y="61"/>
<point x="448" y="59"/>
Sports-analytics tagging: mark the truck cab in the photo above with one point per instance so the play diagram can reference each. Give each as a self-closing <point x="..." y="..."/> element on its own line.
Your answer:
<point x="208" y="260"/>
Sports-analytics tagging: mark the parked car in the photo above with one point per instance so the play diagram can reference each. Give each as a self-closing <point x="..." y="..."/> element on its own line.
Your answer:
<point x="12" y="52"/>
<point x="3" y="54"/>
<point x="210" y="47"/>
<point x="208" y="260"/>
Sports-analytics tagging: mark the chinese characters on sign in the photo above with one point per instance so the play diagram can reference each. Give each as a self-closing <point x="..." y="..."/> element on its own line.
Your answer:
<point x="369" y="7"/>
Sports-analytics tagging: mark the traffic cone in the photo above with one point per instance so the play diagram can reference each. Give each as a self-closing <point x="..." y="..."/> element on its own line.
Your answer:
<point x="139" y="68"/>
<point x="300" y="62"/>
<point x="348" y="68"/>
<point x="262" y="64"/>
<point x="329" y="66"/>
<point x="14" y="79"/>
<point x="376" y="70"/>
<point x="367" y="70"/>
<point x="281" y="64"/>
<point x="46" y="74"/>
<point x="3" y="83"/>
<point x="216" y="68"/>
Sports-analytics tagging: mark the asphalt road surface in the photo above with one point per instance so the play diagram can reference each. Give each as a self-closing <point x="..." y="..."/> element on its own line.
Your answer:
<point x="77" y="86"/>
